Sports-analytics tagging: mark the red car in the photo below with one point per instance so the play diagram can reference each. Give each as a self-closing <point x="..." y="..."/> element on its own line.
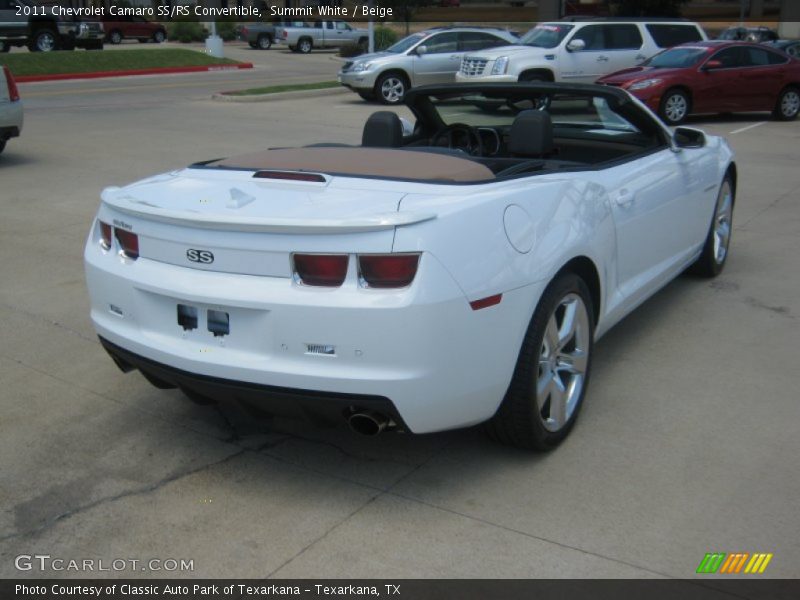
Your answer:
<point x="714" y="77"/>
<point x="119" y="28"/>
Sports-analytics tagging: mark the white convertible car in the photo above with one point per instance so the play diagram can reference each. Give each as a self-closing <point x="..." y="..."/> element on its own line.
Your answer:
<point x="437" y="276"/>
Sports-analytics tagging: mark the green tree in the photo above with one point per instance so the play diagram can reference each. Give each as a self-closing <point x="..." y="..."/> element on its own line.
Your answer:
<point x="646" y="8"/>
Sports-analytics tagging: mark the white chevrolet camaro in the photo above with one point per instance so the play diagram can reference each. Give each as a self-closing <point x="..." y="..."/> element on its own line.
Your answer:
<point x="440" y="275"/>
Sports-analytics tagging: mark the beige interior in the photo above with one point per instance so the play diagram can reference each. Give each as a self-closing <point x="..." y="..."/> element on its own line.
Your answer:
<point x="371" y="162"/>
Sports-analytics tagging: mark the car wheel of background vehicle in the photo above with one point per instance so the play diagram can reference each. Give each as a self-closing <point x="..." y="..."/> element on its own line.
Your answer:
<point x="674" y="107"/>
<point x="552" y="371"/>
<point x="264" y="42"/>
<point x="305" y="45"/>
<point x="788" y="105"/>
<point x="715" y="251"/>
<point x="44" y="40"/>
<point x="368" y="96"/>
<point x="2" y="146"/>
<point x="115" y="37"/>
<point x="391" y="88"/>
<point x="159" y="37"/>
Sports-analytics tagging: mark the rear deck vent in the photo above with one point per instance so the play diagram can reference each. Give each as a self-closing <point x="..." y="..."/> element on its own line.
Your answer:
<point x="290" y="176"/>
<point x="321" y="349"/>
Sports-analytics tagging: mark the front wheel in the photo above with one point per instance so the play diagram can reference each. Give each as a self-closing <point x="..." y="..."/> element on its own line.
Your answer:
<point x="305" y="45"/>
<point x="715" y="250"/>
<point x="552" y="371"/>
<point x="115" y="37"/>
<point x="391" y="88"/>
<point x="788" y="105"/>
<point x="159" y="37"/>
<point x="674" y="107"/>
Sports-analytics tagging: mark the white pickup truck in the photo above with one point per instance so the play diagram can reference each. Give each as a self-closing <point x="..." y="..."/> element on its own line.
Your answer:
<point x="10" y="108"/>
<point x="304" y="37"/>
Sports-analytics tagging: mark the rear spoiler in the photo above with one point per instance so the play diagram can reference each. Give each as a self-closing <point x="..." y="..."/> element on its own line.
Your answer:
<point x="378" y="222"/>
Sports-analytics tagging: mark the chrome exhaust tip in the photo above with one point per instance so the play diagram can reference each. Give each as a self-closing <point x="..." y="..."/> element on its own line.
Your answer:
<point x="367" y="422"/>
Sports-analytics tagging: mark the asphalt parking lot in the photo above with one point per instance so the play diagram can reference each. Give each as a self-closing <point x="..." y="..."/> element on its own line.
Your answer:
<point x="687" y="443"/>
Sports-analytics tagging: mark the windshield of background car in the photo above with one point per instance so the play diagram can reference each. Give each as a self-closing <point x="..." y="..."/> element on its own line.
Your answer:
<point x="545" y="36"/>
<point x="406" y="43"/>
<point x="677" y="58"/>
<point x="590" y="114"/>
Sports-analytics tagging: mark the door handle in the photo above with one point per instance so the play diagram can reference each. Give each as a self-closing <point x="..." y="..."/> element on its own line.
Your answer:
<point x="625" y="198"/>
<point x="455" y="57"/>
<point x="602" y="59"/>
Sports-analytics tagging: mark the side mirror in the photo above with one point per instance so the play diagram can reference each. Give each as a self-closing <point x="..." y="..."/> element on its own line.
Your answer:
<point x="408" y="127"/>
<point x="712" y="64"/>
<point x="422" y="50"/>
<point x="576" y="45"/>
<point x="688" y="137"/>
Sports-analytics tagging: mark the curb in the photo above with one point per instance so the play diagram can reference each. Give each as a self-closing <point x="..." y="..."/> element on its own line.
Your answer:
<point x="120" y="73"/>
<point x="221" y="97"/>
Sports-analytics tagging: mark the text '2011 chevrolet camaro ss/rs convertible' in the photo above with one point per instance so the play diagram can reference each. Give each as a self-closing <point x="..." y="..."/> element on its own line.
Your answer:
<point x="437" y="276"/>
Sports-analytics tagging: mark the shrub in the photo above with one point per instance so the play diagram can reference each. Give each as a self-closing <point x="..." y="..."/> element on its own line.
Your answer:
<point x="226" y="30"/>
<point x="186" y="31"/>
<point x="384" y="37"/>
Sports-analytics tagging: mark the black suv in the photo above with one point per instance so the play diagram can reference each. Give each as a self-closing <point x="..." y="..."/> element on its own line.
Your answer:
<point x="27" y="23"/>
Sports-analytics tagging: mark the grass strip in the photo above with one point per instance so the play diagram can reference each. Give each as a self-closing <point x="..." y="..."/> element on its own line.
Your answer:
<point x="79" y="61"/>
<point x="274" y="89"/>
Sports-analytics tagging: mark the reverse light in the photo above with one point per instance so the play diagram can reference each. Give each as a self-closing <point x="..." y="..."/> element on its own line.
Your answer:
<point x="387" y="270"/>
<point x="105" y="235"/>
<point x="320" y="270"/>
<point x="129" y="242"/>
<point x="645" y="83"/>
<point x="500" y="66"/>
<point x="13" y="92"/>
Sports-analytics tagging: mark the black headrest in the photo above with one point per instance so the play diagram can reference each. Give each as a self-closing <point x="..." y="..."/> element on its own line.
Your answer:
<point x="531" y="134"/>
<point x="383" y="129"/>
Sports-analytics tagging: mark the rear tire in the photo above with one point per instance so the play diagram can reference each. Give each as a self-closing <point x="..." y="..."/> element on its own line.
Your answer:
<point x="788" y="105"/>
<point x="305" y="45"/>
<point x="552" y="372"/>
<point x="44" y="40"/>
<point x="115" y="37"/>
<point x="715" y="250"/>
<point x="675" y="107"/>
<point x="264" y="42"/>
<point x="159" y="37"/>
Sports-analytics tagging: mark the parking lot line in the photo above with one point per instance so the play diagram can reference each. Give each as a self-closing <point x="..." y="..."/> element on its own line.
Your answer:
<point x="743" y="129"/>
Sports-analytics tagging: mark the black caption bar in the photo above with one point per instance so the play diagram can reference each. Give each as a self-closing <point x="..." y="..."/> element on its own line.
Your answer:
<point x="409" y="589"/>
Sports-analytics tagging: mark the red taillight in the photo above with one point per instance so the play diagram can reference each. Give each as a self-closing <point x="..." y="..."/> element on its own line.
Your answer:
<point x="129" y="242"/>
<point x="324" y="270"/>
<point x="285" y="35"/>
<point x="388" y="270"/>
<point x="13" y="92"/>
<point x="105" y="235"/>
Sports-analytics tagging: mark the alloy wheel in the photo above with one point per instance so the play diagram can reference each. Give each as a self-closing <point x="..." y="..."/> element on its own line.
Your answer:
<point x="563" y="362"/>
<point x="790" y="104"/>
<point x="46" y="42"/>
<point x="393" y="89"/>
<point x="675" y="108"/>
<point x="723" y="222"/>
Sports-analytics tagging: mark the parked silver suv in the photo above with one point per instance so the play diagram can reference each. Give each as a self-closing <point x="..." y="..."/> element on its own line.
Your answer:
<point x="431" y="56"/>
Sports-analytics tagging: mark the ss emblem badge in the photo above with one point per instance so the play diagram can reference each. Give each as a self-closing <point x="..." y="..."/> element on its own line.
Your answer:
<point x="205" y="257"/>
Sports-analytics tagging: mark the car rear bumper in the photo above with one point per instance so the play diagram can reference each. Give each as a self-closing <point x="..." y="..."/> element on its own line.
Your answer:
<point x="440" y="364"/>
<point x="11" y="119"/>
<point x="311" y="405"/>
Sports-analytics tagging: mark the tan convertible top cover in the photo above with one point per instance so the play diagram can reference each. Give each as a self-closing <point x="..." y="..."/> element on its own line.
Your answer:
<point x="390" y="163"/>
